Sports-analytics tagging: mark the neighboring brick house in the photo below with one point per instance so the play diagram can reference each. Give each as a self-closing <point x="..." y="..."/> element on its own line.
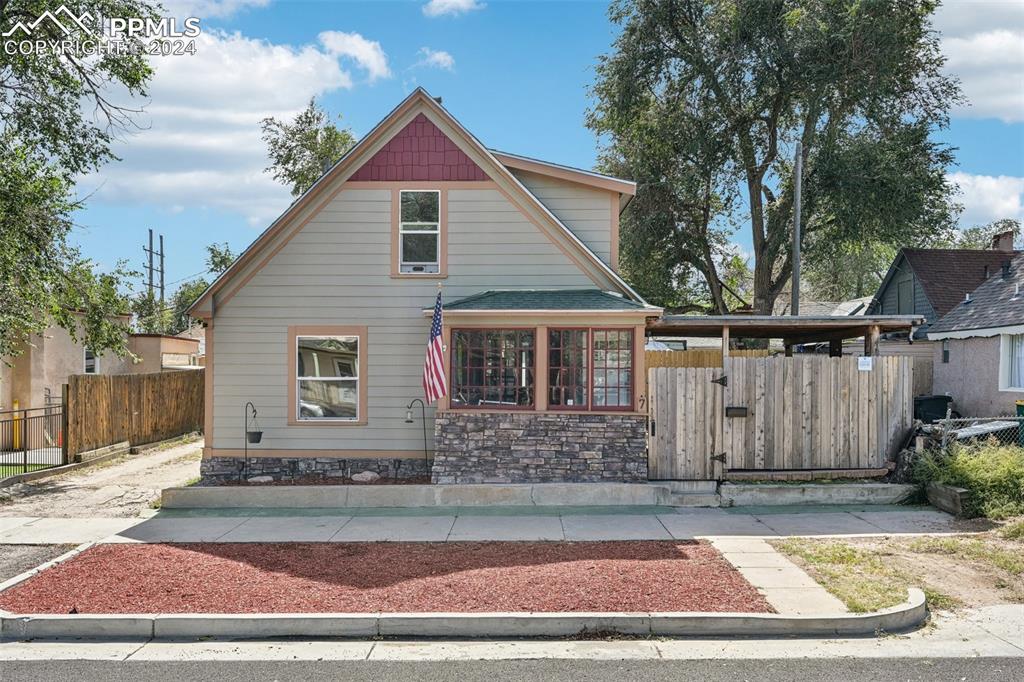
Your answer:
<point x="323" y="321"/>
<point x="979" y="346"/>
<point x="931" y="282"/>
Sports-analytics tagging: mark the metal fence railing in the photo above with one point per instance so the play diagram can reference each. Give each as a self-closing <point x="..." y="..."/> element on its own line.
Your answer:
<point x="32" y="439"/>
<point x="1006" y="430"/>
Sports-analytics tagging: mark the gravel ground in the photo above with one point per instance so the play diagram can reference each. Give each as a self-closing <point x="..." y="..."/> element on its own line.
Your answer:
<point x="389" y="577"/>
<point x="16" y="559"/>
<point x="120" y="488"/>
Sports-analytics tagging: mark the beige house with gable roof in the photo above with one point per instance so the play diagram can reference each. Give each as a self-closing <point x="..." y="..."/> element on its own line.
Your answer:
<point x="322" y="322"/>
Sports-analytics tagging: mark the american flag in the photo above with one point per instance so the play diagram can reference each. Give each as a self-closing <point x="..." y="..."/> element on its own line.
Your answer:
<point x="435" y="384"/>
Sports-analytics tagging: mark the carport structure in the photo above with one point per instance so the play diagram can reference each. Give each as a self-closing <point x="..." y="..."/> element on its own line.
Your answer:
<point x="771" y="417"/>
<point x="793" y="330"/>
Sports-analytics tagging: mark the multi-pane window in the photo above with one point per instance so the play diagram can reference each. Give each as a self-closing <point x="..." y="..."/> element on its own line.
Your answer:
<point x="568" y="368"/>
<point x="613" y="368"/>
<point x="419" y="231"/>
<point x="590" y="369"/>
<point x="91" y="363"/>
<point x="327" y="373"/>
<point x="493" y="368"/>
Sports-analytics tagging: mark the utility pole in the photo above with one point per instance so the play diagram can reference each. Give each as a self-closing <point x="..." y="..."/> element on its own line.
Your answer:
<point x="153" y="270"/>
<point x="797" y="178"/>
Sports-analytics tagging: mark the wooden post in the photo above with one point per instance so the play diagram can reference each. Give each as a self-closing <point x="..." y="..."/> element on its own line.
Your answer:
<point x="64" y="424"/>
<point x="835" y="348"/>
<point x="871" y="341"/>
<point x="725" y="343"/>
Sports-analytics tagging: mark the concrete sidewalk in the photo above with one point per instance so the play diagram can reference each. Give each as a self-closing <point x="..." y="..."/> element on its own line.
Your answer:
<point x="476" y="525"/>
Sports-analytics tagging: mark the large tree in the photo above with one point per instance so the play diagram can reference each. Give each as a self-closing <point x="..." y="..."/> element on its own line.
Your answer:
<point x="722" y="90"/>
<point x="301" y="150"/>
<point x="58" y="117"/>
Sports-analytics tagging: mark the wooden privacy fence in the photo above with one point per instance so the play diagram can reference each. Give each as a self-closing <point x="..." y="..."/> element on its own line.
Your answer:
<point x="698" y="357"/>
<point x="138" y="408"/>
<point x="778" y="413"/>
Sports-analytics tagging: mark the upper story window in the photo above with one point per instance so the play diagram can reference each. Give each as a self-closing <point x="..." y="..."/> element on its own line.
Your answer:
<point x="328" y="378"/>
<point x="419" y="231"/>
<point x="91" y="364"/>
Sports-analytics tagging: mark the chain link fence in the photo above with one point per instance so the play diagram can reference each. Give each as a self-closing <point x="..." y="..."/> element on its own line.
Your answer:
<point x="1007" y="430"/>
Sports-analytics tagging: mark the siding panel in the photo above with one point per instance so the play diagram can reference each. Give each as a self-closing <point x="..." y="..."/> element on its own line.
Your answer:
<point x="336" y="271"/>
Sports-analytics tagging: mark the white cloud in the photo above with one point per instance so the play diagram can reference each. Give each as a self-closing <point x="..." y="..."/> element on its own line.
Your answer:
<point x="437" y="8"/>
<point x="368" y="54"/>
<point x="984" y="44"/>
<point x="987" y="197"/>
<point x="436" y="58"/>
<point x="200" y="145"/>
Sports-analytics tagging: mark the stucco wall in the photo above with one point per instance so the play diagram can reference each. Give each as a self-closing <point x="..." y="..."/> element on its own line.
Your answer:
<point x="972" y="377"/>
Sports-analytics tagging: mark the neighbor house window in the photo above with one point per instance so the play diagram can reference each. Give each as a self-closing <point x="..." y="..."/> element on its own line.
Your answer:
<point x="328" y="374"/>
<point x="419" y="231"/>
<point x="945" y="351"/>
<point x="590" y="369"/>
<point x="1011" y="370"/>
<point x="493" y="368"/>
<point x="905" y="298"/>
<point x="92" y="363"/>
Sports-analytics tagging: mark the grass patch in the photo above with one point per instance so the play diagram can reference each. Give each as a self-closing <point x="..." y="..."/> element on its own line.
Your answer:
<point x="993" y="472"/>
<point x="1013" y="530"/>
<point x="15" y="469"/>
<point x="970" y="548"/>
<point x="860" y="578"/>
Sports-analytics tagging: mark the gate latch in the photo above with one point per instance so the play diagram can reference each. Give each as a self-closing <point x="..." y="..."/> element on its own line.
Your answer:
<point x="718" y="458"/>
<point x="722" y="380"/>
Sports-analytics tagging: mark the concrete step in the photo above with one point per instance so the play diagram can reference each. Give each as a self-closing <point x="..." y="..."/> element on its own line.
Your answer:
<point x="695" y="500"/>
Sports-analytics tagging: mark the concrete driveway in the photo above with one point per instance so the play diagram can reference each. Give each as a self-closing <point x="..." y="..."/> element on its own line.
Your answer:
<point x="121" y="488"/>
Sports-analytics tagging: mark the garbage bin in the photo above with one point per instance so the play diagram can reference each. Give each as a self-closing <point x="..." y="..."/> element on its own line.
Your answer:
<point x="1020" y="425"/>
<point x="931" y="408"/>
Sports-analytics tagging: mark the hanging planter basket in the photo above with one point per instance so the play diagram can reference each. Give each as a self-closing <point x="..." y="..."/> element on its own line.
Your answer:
<point x="253" y="437"/>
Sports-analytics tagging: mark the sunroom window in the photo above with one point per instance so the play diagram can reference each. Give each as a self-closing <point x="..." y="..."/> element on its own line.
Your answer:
<point x="590" y="369"/>
<point x="328" y="377"/>
<point x="419" y="231"/>
<point x="493" y="368"/>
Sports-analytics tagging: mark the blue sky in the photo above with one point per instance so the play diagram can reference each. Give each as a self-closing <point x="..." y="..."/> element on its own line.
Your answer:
<point x="515" y="73"/>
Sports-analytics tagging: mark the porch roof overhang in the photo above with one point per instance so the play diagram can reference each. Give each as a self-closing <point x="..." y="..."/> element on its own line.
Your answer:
<point x="793" y="329"/>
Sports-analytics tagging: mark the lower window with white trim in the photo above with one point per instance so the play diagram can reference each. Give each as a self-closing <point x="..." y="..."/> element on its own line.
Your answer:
<point x="327" y="374"/>
<point x="1011" y="362"/>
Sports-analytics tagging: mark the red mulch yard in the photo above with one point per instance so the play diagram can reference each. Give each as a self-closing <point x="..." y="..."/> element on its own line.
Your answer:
<point x="389" y="577"/>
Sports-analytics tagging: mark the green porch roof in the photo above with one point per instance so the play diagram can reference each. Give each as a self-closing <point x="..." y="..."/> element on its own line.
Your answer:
<point x="544" y="299"/>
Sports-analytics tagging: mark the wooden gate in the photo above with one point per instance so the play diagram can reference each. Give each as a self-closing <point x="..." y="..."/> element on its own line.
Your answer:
<point x="764" y="414"/>
<point x="685" y="423"/>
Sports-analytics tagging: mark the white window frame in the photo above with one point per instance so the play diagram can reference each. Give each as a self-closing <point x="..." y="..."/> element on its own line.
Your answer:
<point x="299" y="379"/>
<point x="95" y="362"/>
<point x="1005" y="347"/>
<point x="429" y="267"/>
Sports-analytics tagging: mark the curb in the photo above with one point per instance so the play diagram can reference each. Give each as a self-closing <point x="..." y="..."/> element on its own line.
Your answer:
<point x="908" y="615"/>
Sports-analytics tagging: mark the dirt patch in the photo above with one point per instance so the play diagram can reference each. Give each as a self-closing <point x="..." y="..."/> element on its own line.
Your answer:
<point x="327" y="480"/>
<point x="958" y="571"/>
<point x="389" y="577"/>
<point x="122" y="487"/>
<point x="16" y="559"/>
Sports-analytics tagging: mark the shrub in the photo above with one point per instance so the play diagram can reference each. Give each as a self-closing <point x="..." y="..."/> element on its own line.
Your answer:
<point x="993" y="472"/>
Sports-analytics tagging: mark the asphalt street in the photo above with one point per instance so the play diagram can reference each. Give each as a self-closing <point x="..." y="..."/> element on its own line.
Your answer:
<point x="835" y="670"/>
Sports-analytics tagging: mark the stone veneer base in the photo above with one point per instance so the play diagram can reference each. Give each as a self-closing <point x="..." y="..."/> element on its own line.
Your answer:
<point x="216" y="470"/>
<point x="539" y="447"/>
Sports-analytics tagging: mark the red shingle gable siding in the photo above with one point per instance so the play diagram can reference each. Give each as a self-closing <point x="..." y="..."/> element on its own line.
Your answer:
<point x="420" y="152"/>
